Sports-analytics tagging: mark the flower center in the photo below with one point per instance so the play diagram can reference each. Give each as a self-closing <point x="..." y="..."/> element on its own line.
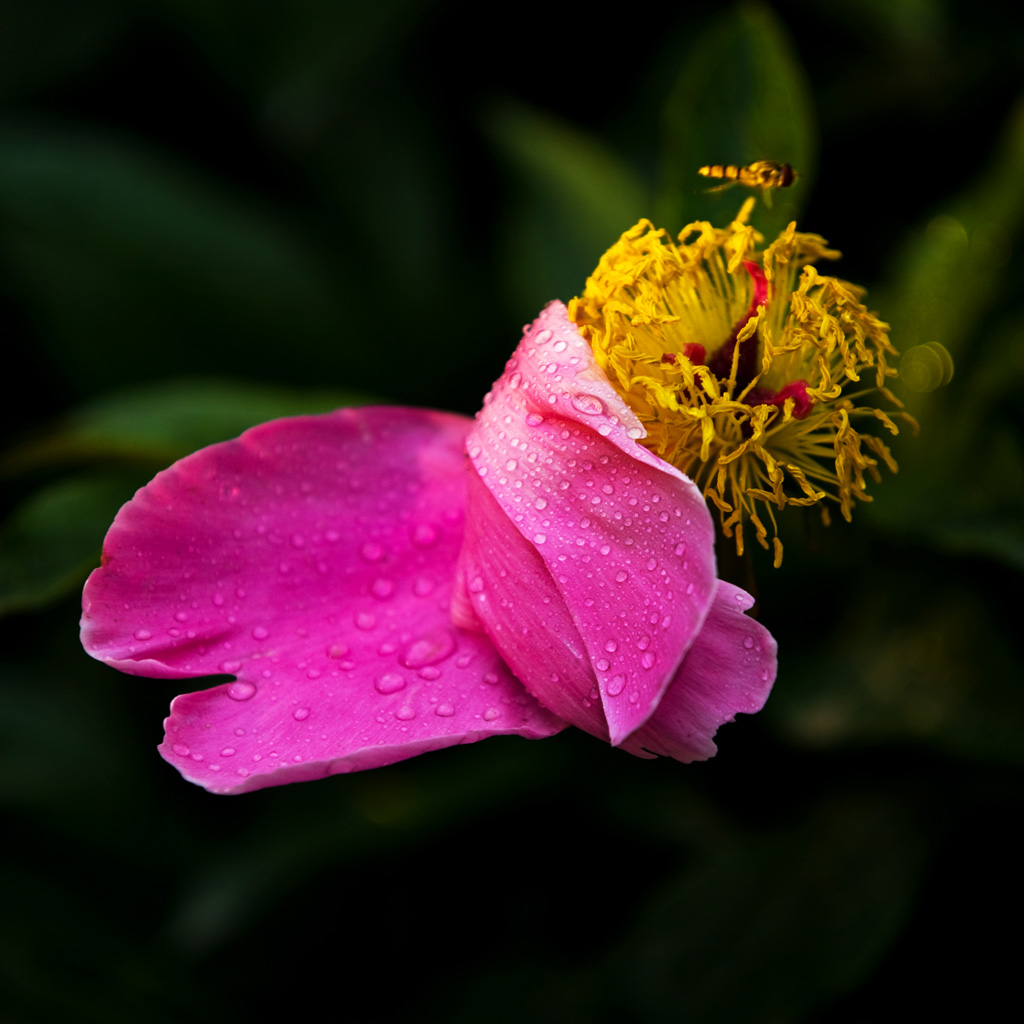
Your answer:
<point x="744" y="365"/>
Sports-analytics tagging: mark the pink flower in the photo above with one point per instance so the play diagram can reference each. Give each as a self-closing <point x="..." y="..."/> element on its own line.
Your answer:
<point x="374" y="599"/>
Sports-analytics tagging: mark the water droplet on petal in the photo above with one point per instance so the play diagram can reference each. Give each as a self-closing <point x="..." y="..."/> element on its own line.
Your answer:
<point x="181" y="750"/>
<point x="444" y="710"/>
<point x="241" y="689"/>
<point x="365" y="620"/>
<point x="259" y="633"/>
<point x="382" y="588"/>
<point x="617" y="685"/>
<point x="372" y="551"/>
<point x="300" y="714"/>
<point x="621" y="576"/>
<point x="228" y="752"/>
<point x="491" y="714"/>
<point x="143" y="634"/>
<point x="647" y="659"/>
<point x="405" y="714"/>
<point x="424" y="535"/>
<point x="611" y="646"/>
<point x="589" y="405"/>
<point x="429" y="649"/>
<point x="390" y="682"/>
<point x="748" y="642"/>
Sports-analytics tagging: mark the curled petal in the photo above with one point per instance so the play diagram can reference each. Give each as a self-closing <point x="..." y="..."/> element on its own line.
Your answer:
<point x="312" y="560"/>
<point x="729" y="669"/>
<point x="615" y="546"/>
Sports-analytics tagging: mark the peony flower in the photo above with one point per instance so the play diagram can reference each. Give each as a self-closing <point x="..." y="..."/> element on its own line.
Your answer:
<point x="374" y="595"/>
<point x="745" y="367"/>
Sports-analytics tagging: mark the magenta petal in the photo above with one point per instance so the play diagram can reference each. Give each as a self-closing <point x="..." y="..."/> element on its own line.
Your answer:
<point x="509" y="589"/>
<point x="313" y="560"/>
<point x="729" y="669"/>
<point x="608" y="531"/>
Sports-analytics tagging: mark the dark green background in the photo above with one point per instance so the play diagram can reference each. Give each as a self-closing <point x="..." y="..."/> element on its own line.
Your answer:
<point x="214" y="212"/>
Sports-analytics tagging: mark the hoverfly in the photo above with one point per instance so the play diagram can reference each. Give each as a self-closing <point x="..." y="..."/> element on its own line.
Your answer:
<point x="763" y="174"/>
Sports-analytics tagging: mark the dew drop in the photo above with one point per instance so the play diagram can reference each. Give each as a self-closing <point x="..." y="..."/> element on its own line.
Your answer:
<point x="390" y="682"/>
<point x="748" y="642"/>
<point x="444" y="710"/>
<point x="143" y="634"/>
<point x="300" y="714"/>
<point x="647" y="659"/>
<point x="241" y="689"/>
<point x="424" y="535"/>
<point x="621" y="576"/>
<point x="371" y="551"/>
<point x="589" y="405"/>
<point x="365" y="620"/>
<point x="405" y="714"/>
<point x="491" y="714"/>
<point x="382" y="588"/>
<point x="611" y="646"/>
<point x="228" y="752"/>
<point x="429" y="649"/>
<point x="540" y="538"/>
<point x="259" y="633"/>
<point x="181" y="750"/>
<point x="617" y="685"/>
<point x="603" y="664"/>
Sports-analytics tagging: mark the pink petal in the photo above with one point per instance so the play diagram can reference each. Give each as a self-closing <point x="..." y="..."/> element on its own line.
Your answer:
<point x="730" y="668"/>
<point x="313" y="560"/>
<point x="615" y="546"/>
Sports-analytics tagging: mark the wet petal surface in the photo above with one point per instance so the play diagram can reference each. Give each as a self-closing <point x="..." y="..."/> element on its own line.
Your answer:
<point x="625" y="541"/>
<point x="729" y="669"/>
<point x="312" y="560"/>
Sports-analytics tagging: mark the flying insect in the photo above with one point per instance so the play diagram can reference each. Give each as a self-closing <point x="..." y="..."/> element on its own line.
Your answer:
<point x="762" y="174"/>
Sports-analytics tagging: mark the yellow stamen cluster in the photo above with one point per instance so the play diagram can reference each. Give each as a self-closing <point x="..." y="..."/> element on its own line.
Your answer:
<point x="652" y="306"/>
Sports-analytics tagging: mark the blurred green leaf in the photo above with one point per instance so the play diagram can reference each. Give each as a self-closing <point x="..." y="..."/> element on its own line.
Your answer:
<point x="949" y="271"/>
<point x="53" y="539"/>
<point x="741" y="96"/>
<point x="163" y="422"/>
<point x="575" y="198"/>
<point x="945" y="282"/>
<point x="123" y="252"/>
